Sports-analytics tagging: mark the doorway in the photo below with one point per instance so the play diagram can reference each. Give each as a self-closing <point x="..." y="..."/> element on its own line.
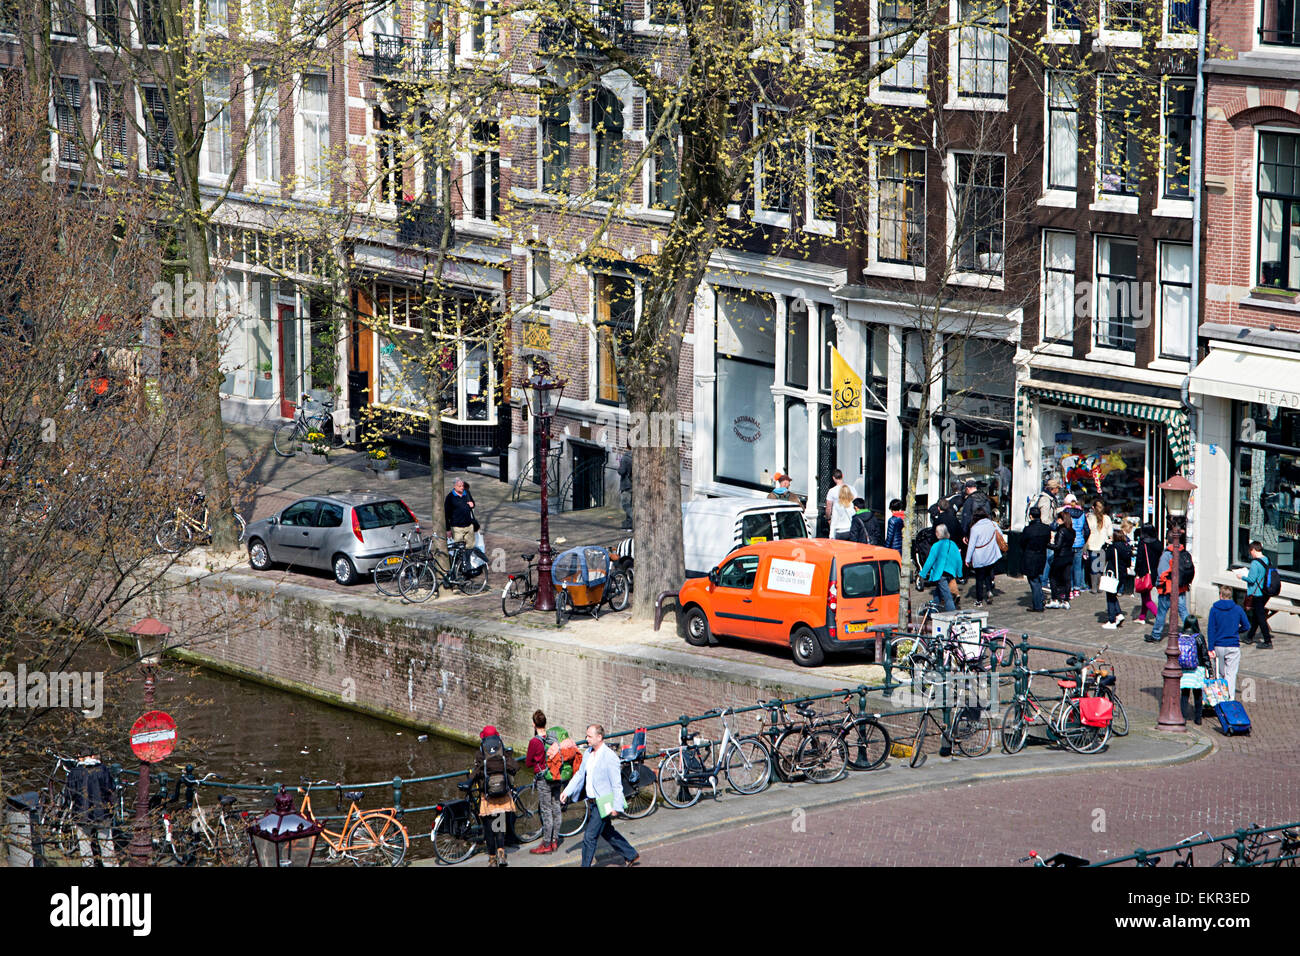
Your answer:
<point x="290" y="359"/>
<point x="588" y="477"/>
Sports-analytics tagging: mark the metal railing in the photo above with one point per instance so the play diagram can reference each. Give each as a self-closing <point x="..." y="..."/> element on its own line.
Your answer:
<point x="557" y="38"/>
<point x="398" y="55"/>
<point x="1249" y="846"/>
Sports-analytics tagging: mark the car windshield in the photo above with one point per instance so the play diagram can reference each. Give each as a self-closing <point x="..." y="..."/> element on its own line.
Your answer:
<point x="382" y="514"/>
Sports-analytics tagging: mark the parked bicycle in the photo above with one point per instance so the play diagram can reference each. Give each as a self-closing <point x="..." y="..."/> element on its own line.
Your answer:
<point x="687" y="770"/>
<point x="387" y="572"/>
<point x="366" y="837"/>
<point x="1065" y="723"/>
<point x="189" y="524"/>
<point x="969" y="729"/>
<point x="520" y="592"/>
<point x="55" y="821"/>
<point x="462" y="568"/>
<point x="291" y="433"/>
<point x="1101" y="683"/>
<point x="215" y="839"/>
<point x="457" y="829"/>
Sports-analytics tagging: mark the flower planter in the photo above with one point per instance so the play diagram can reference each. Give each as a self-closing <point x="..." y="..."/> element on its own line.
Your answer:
<point x="316" y="459"/>
<point x="389" y="474"/>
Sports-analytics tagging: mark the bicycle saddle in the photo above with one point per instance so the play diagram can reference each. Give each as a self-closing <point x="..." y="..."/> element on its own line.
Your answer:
<point x="353" y="795"/>
<point x="528" y="557"/>
<point x="1067" y="684"/>
<point x="806" y="711"/>
<point x="464" y="785"/>
<point x="226" y="799"/>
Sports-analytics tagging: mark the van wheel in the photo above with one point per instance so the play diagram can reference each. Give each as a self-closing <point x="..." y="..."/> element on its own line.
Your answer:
<point x="697" y="628"/>
<point x="807" y="651"/>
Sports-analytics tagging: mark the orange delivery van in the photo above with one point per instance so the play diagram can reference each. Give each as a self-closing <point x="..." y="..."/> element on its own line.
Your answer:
<point x="814" y="595"/>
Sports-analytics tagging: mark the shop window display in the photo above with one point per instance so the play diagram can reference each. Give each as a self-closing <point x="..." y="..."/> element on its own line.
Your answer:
<point x="1099" y="456"/>
<point x="1267" y="463"/>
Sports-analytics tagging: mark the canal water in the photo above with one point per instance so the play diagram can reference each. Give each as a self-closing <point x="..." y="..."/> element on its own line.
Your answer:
<point x="250" y="733"/>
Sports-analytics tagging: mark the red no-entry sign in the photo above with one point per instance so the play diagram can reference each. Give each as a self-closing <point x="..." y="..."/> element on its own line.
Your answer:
<point x="153" y="736"/>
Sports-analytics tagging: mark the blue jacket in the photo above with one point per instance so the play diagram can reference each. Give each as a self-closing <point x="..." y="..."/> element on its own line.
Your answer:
<point x="894" y="532"/>
<point x="1255" y="577"/>
<point x="1226" y="621"/>
<point x="945" y="558"/>
<point x="1078" y="521"/>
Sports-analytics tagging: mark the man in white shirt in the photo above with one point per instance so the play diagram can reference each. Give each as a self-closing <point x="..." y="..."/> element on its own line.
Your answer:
<point x="602" y="774"/>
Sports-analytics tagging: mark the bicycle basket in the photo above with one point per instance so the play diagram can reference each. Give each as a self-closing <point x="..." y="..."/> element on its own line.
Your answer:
<point x="1096" y="711"/>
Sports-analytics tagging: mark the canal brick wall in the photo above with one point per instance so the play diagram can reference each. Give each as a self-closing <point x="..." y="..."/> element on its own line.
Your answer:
<point x="449" y="673"/>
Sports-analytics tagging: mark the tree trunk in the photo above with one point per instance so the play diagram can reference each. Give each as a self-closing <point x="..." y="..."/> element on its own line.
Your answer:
<point x="437" y="479"/>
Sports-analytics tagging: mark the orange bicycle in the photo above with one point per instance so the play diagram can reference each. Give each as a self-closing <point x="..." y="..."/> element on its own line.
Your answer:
<point x="367" y="838"/>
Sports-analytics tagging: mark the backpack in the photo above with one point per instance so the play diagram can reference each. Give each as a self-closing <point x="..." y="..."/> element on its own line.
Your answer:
<point x="496" y="783"/>
<point x="1272" y="585"/>
<point x="562" y="756"/>
<point x="1186" y="569"/>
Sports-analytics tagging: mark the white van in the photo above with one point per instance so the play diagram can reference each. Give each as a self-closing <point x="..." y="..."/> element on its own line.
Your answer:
<point x="713" y="527"/>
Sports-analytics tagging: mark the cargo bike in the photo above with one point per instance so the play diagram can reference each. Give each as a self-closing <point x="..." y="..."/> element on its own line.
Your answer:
<point x="586" y="580"/>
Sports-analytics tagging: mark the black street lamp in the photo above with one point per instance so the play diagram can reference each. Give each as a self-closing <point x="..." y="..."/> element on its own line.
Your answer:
<point x="284" y="837"/>
<point x="544" y="393"/>
<point x="150" y="642"/>
<point x="1177" y="491"/>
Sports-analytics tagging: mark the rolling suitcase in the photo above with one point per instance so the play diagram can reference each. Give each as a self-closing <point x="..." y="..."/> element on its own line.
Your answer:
<point x="1232" y="718"/>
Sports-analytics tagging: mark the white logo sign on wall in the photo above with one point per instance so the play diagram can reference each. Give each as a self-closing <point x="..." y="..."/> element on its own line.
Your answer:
<point x="796" y="577"/>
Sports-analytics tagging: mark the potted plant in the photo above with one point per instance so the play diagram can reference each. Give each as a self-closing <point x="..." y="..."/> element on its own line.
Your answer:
<point x="381" y="461"/>
<point x="265" y="368"/>
<point x="318" y="446"/>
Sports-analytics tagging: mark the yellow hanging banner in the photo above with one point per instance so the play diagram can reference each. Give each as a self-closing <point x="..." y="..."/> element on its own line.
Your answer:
<point x="846" y="392"/>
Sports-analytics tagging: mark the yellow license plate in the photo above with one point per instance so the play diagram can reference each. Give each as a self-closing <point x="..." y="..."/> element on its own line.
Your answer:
<point x="858" y="628"/>
<point x="755" y="540"/>
<point x="395" y="559"/>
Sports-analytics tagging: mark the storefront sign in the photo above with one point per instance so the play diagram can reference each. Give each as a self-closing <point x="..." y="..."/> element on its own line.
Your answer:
<point x="747" y="429"/>
<point x="795" y="577"/>
<point x="846" y="385"/>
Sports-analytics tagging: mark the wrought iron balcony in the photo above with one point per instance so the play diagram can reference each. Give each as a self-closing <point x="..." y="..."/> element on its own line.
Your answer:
<point x="561" y="38"/>
<point x="419" y="222"/>
<point x="406" y="56"/>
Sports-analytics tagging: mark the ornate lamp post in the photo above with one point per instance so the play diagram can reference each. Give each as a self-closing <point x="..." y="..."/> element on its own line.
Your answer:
<point x="1177" y="490"/>
<point x="150" y="642"/>
<point x="544" y="392"/>
<point x="284" y="837"/>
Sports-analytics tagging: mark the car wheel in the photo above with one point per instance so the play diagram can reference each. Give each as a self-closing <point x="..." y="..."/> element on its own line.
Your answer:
<point x="807" y="651"/>
<point x="697" y="628"/>
<point x="345" y="571"/>
<point x="258" y="555"/>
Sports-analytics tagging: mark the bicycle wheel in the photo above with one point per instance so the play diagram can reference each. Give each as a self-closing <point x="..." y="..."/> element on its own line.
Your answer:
<point x="287" y="437"/>
<point x="748" y="767"/>
<point x="617" y="592"/>
<point x="1074" y="733"/>
<point x="377" y="839"/>
<point x="783" y="752"/>
<point x="918" y="743"/>
<point x="823" y="756"/>
<point x="1015" y="728"/>
<point x="173" y="535"/>
<point x="385" y="576"/>
<point x="416" y="582"/>
<point x="241" y="526"/>
<point x="672" y="783"/>
<point x="516" y="596"/>
<point x="528" y="812"/>
<point x="453" y="836"/>
<point x="573" y="818"/>
<point x="644" y="797"/>
<point x="1119" y="718"/>
<point x="972" y="731"/>
<point x="868" y="743"/>
<point x="563" y="607"/>
<point x="903" y="651"/>
<point x="473" y="580"/>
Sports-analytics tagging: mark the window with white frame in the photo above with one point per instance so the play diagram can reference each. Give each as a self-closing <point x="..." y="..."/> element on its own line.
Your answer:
<point x="67" y="109"/>
<point x="1115" y="326"/>
<point x="1182" y="16"/>
<point x="1176" y="172"/>
<point x="663" y="158"/>
<point x="107" y="25"/>
<point x="435" y="20"/>
<point x="257" y="14"/>
<point x="1280" y="23"/>
<point x="1063" y="15"/>
<point x="982" y="50"/>
<point x="160" y="137"/>
<point x="607" y="128"/>
<point x="1119" y="160"/>
<point x="1062" y="131"/>
<point x="150" y="21"/>
<point x="823" y="195"/>
<point x="64" y="18"/>
<point x="664" y="12"/>
<point x="1278" y="190"/>
<point x="774" y="170"/>
<point x="216" y="13"/>
<point x="819" y="16"/>
<point x="1175" y="300"/>
<point x="485" y="171"/>
<point x="615" y="323"/>
<point x="553" y="120"/>
<point x="110" y="111"/>
<point x="828" y="335"/>
<point x="482" y="32"/>
<point x="390" y="159"/>
<point x="900" y="205"/>
<point x="1058" y="286"/>
<point x="216" y="157"/>
<point x="1122" y="16"/>
<point x="979" y="201"/>
<point x="541" y="280"/>
<point x="772" y="16"/>
<point x="315" y="131"/>
<point x="909" y="73"/>
<point x="266" y="129"/>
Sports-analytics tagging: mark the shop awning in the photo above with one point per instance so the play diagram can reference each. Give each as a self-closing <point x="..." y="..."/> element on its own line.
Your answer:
<point x="1248" y="377"/>
<point x="1167" y="413"/>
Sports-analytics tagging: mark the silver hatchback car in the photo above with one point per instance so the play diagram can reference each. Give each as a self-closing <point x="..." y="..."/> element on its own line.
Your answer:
<point x="347" y="533"/>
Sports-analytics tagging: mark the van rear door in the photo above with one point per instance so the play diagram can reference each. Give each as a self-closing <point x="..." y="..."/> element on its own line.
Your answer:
<point x="868" y="596"/>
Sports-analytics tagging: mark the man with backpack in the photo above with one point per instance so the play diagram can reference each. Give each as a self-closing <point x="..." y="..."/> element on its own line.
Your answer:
<point x="1262" y="583"/>
<point x="600" y="778"/>
<point x="493" y="772"/>
<point x="1186" y="571"/>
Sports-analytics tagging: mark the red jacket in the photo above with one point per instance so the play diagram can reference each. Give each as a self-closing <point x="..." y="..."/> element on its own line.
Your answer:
<point x="535" y="756"/>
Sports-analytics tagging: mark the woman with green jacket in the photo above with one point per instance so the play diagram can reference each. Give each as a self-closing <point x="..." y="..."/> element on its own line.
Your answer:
<point x="943" y="564"/>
